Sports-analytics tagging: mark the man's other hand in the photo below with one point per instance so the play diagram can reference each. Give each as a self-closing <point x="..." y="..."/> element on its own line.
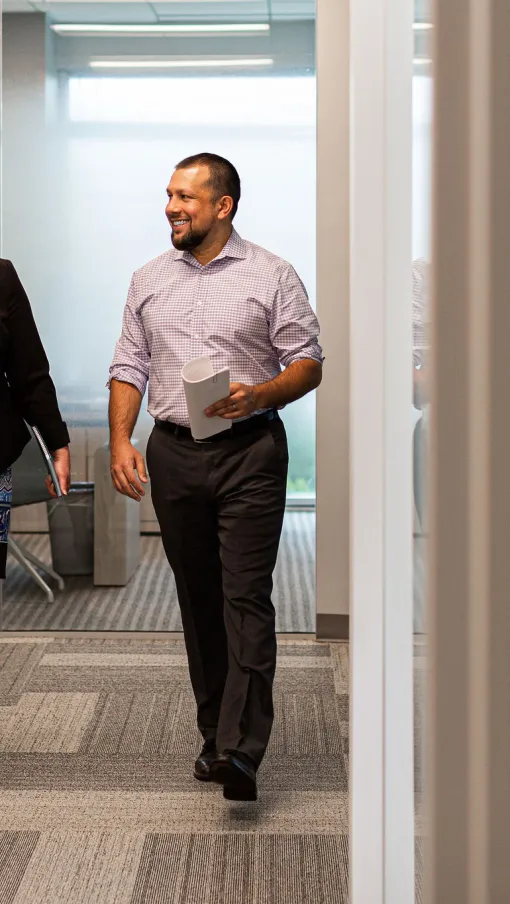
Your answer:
<point x="127" y="468"/>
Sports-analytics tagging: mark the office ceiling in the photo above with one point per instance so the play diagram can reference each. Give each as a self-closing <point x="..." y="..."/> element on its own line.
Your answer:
<point x="189" y="11"/>
<point x="199" y="11"/>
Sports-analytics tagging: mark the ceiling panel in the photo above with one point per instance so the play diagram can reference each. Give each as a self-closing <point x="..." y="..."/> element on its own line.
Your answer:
<point x="133" y="11"/>
<point x="100" y="13"/>
<point x="293" y="9"/>
<point x="249" y="11"/>
<point x="191" y="11"/>
<point x="17" y="6"/>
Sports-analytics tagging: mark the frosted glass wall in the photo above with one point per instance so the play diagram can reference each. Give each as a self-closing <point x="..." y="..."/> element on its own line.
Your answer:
<point x="112" y="148"/>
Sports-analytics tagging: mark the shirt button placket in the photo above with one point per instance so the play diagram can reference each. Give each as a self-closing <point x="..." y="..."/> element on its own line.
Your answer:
<point x="198" y="309"/>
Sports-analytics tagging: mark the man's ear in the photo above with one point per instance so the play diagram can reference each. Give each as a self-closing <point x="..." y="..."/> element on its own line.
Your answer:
<point x="226" y="205"/>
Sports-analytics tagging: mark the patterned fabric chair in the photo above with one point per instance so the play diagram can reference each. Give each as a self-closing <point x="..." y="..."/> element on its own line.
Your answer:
<point x="5" y="514"/>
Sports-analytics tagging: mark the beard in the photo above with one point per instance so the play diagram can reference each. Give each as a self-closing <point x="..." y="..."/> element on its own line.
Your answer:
<point x="190" y="240"/>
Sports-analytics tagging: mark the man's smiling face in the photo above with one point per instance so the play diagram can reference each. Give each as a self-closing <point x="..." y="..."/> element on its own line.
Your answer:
<point x="192" y="210"/>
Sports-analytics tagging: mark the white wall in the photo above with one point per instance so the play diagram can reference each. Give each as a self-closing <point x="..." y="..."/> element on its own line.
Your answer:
<point x="26" y="196"/>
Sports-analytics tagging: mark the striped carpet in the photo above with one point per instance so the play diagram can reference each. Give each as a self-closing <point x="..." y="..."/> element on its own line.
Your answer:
<point x="149" y="601"/>
<point x="97" y="801"/>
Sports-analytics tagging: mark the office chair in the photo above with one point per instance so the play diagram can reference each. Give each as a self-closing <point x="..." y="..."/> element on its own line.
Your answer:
<point x="28" y="487"/>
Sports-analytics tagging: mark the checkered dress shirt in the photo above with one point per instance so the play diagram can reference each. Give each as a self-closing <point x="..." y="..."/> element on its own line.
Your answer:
<point x="247" y="309"/>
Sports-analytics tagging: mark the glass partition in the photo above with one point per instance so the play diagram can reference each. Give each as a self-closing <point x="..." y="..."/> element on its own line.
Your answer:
<point x="96" y="112"/>
<point x="421" y="287"/>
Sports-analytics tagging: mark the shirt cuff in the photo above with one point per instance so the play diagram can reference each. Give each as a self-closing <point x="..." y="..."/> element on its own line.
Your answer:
<point x="305" y="354"/>
<point x="128" y="375"/>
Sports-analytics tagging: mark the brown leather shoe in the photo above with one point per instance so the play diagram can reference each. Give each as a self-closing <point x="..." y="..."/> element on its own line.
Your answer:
<point x="237" y="775"/>
<point x="203" y="764"/>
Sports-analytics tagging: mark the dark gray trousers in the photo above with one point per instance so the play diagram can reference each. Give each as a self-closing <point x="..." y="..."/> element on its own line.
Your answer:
<point x="220" y="507"/>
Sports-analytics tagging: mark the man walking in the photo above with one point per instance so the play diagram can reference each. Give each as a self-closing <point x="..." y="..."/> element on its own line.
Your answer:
<point x="219" y="503"/>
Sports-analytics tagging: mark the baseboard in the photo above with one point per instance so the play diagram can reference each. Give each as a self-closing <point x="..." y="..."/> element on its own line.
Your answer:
<point x="332" y="627"/>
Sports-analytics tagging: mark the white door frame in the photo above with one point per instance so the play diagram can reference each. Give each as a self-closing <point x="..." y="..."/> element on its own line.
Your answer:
<point x="382" y="827"/>
<point x="364" y="476"/>
<point x="333" y="264"/>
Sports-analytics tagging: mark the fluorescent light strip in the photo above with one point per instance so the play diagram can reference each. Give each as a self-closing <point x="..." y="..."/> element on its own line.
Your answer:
<point x="179" y="64"/>
<point x="422" y="61"/>
<point x="98" y="29"/>
<point x="422" y="26"/>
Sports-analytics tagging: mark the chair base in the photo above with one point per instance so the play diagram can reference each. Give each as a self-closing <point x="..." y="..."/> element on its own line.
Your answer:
<point x="27" y="560"/>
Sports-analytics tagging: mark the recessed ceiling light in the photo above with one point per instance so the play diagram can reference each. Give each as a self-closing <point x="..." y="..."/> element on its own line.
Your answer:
<point x="240" y="63"/>
<point x="157" y="30"/>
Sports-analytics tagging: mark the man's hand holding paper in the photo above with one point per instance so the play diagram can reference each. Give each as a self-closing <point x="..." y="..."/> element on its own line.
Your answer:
<point x="202" y="386"/>
<point x="241" y="402"/>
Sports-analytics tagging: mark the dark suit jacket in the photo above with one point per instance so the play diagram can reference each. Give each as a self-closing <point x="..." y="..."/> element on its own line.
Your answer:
<point x="26" y="388"/>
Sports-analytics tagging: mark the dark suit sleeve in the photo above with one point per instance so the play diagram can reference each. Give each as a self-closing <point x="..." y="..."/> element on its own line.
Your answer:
<point x="27" y="370"/>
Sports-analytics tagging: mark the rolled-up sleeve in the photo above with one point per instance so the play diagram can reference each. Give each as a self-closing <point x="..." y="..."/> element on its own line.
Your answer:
<point x="131" y="360"/>
<point x="294" y="328"/>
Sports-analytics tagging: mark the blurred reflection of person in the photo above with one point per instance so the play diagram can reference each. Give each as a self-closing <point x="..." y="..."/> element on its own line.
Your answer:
<point x="421" y="376"/>
<point x="220" y="503"/>
<point x="27" y="394"/>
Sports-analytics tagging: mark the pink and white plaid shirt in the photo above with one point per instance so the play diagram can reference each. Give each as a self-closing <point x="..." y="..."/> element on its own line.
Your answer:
<point x="247" y="309"/>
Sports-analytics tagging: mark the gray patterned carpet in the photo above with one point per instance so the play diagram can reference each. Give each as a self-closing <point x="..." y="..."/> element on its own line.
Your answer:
<point x="149" y="602"/>
<point x="97" y="801"/>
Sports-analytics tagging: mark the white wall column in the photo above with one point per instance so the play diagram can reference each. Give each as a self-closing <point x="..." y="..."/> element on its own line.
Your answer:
<point x="333" y="565"/>
<point x="382" y="800"/>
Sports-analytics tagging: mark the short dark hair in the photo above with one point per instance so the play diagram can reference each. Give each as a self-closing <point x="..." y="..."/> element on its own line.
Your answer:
<point x="223" y="179"/>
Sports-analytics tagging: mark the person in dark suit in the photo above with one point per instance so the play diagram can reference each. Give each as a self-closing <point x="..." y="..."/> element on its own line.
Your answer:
<point x="27" y="394"/>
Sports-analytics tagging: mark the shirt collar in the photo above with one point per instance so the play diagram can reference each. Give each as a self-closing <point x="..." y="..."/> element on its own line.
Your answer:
<point x="234" y="248"/>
